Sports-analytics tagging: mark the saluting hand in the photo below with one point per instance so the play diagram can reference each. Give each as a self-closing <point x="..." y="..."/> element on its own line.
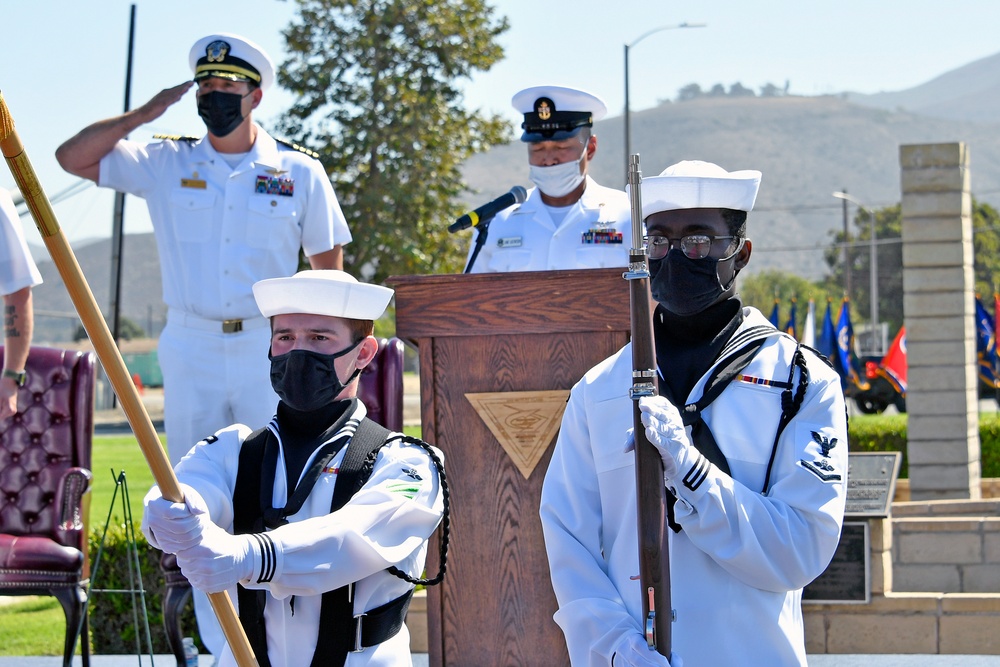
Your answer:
<point x="162" y="101"/>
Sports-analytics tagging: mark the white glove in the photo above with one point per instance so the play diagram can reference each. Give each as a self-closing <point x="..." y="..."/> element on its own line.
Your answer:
<point x="665" y="430"/>
<point x="219" y="560"/>
<point x="632" y="651"/>
<point x="171" y="526"/>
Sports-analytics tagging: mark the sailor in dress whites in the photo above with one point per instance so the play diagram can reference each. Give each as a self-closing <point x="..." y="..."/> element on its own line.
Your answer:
<point x="228" y="209"/>
<point x="568" y="220"/>
<point x="321" y="582"/>
<point x="756" y="469"/>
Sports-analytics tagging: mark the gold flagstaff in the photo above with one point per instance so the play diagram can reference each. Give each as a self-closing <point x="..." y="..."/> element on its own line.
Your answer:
<point x="107" y="352"/>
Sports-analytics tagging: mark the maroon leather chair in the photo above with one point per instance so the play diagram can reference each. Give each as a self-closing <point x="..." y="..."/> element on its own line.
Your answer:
<point x="44" y="471"/>
<point x="380" y="388"/>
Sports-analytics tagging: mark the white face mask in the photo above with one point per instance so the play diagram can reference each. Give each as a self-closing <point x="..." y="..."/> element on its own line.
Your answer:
<point x="560" y="179"/>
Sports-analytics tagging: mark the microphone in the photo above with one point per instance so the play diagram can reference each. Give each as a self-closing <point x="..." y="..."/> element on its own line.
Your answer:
<point x="486" y="212"/>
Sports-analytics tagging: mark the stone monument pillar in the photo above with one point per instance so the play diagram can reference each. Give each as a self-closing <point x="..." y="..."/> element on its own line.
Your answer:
<point x="939" y="313"/>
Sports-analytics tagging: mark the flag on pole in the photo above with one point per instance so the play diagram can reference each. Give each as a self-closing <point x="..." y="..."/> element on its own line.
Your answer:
<point x="895" y="364"/>
<point x="986" y="345"/>
<point x="790" y="326"/>
<point x="774" y="314"/>
<point x="844" y="360"/>
<point x="809" y="332"/>
<point x="828" y="335"/>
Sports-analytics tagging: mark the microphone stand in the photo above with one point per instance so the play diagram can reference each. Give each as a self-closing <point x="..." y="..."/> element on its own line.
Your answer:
<point x="482" y="231"/>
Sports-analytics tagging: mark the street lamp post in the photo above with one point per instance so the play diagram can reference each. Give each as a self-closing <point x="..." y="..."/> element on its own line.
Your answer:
<point x="876" y="348"/>
<point x="628" y="45"/>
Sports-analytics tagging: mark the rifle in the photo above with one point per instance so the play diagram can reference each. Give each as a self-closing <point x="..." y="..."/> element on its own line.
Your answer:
<point x="654" y="558"/>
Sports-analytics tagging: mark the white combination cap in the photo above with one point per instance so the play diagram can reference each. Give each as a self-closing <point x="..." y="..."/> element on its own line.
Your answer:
<point x="229" y="56"/>
<point x="321" y="292"/>
<point x="697" y="184"/>
<point x="554" y="113"/>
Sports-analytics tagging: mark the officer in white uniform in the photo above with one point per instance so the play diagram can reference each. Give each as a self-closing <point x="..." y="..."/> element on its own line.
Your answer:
<point x="322" y="324"/>
<point x="18" y="274"/>
<point x="568" y="221"/>
<point x="227" y="210"/>
<point x="757" y="510"/>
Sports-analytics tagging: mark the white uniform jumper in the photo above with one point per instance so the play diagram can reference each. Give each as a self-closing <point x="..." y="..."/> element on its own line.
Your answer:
<point x="596" y="233"/>
<point x="17" y="268"/>
<point x="386" y="523"/>
<point x="744" y="553"/>
<point x="218" y="231"/>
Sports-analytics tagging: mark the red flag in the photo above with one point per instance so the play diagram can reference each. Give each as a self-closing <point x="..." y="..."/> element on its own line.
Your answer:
<point x="894" y="362"/>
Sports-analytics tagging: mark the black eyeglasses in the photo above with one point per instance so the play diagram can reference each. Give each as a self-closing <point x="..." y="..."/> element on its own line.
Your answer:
<point x="694" y="246"/>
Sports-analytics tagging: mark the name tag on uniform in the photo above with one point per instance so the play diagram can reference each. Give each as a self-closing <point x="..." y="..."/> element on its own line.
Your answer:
<point x="601" y="236"/>
<point x="273" y="185"/>
<point x="509" y="242"/>
<point x="193" y="183"/>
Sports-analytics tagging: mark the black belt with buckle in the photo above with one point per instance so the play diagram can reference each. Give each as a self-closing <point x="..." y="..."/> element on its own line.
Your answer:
<point x="232" y="326"/>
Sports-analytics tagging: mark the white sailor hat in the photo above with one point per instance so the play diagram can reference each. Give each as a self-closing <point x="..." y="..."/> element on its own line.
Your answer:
<point x="321" y="292"/>
<point x="697" y="184"/>
<point x="554" y="113"/>
<point x="229" y="56"/>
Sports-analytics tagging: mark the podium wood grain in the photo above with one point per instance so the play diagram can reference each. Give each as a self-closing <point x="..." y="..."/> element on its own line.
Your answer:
<point x="483" y="333"/>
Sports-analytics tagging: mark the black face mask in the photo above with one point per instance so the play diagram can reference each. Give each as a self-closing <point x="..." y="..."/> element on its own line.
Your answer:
<point x="687" y="286"/>
<point x="306" y="380"/>
<point x="221" y="111"/>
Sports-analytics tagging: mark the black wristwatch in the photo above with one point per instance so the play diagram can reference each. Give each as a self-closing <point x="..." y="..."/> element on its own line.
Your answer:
<point x="19" y="377"/>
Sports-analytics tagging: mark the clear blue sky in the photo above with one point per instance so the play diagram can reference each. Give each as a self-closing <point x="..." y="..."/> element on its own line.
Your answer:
<point x="65" y="60"/>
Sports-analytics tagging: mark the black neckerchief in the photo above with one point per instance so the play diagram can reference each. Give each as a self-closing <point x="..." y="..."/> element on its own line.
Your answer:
<point x="302" y="432"/>
<point x="686" y="347"/>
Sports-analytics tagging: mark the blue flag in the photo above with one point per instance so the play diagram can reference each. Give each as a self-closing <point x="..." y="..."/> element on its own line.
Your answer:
<point x="774" y="314"/>
<point x="828" y="335"/>
<point x="844" y="360"/>
<point x="790" y="327"/>
<point x="986" y="344"/>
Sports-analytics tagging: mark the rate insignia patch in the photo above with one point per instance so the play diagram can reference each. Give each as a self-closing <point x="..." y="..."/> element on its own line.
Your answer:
<point x="821" y="467"/>
<point x="273" y="185"/>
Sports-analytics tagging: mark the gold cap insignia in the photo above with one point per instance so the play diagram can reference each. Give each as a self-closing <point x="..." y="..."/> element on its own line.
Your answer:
<point x="543" y="108"/>
<point x="216" y="51"/>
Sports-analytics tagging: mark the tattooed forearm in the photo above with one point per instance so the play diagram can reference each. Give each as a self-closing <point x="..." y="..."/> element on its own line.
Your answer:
<point x="10" y="318"/>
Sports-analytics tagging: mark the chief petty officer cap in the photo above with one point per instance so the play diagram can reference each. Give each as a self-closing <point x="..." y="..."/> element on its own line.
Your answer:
<point x="697" y="184"/>
<point x="229" y="56"/>
<point x="321" y="292"/>
<point x="554" y="113"/>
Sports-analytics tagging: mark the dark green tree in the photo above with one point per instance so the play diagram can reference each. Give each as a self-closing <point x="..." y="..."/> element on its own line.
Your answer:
<point x="889" y="251"/>
<point x="986" y="246"/>
<point x="764" y="287"/>
<point x="888" y="225"/>
<point x="379" y="98"/>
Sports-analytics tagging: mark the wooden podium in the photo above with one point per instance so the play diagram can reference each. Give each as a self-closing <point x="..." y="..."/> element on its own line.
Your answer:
<point x="498" y="355"/>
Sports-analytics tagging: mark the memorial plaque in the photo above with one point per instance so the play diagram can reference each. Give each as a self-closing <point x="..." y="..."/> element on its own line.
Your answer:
<point x="847" y="579"/>
<point x="871" y="483"/>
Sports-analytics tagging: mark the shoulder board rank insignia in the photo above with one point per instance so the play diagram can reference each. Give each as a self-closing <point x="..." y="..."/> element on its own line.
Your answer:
<point x="176" y="137"/>
<point x="302" y="149"/>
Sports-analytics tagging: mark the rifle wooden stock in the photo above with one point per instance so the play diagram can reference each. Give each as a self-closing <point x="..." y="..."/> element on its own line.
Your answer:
<point x="654" y="559"/>
<point x="107" y="352"/>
